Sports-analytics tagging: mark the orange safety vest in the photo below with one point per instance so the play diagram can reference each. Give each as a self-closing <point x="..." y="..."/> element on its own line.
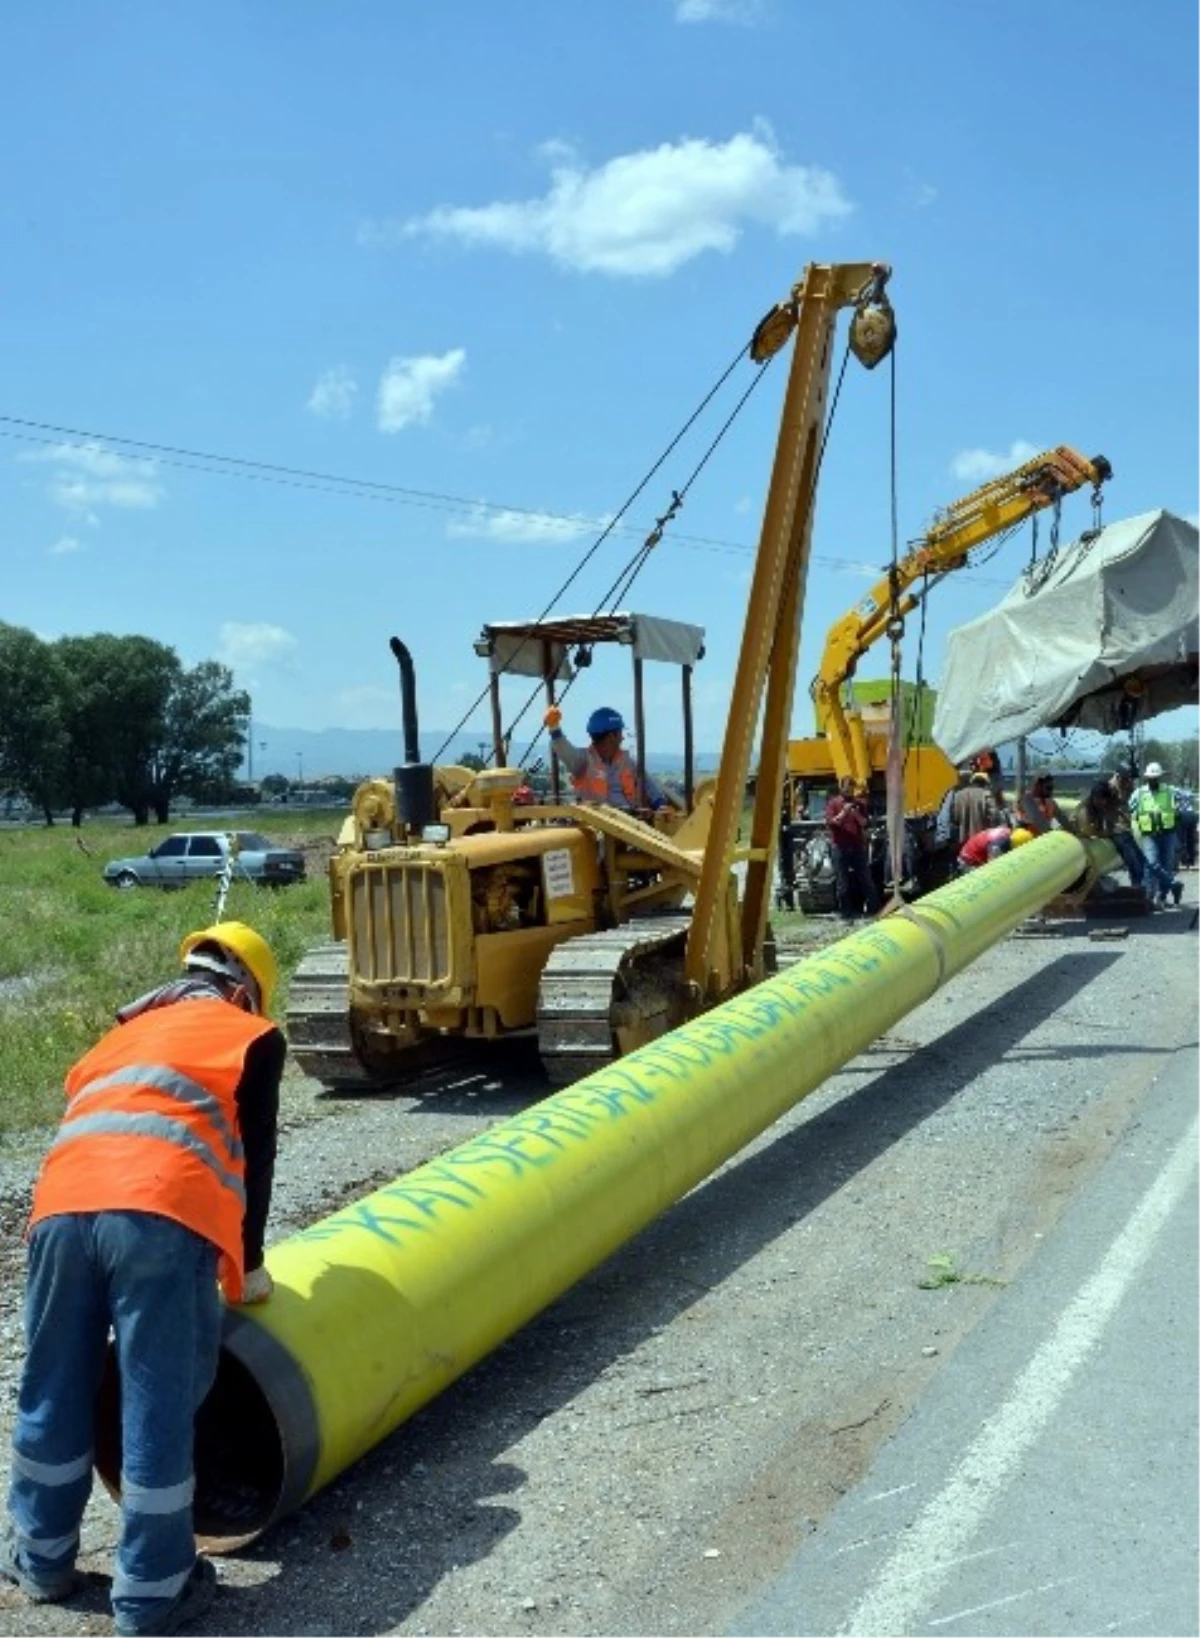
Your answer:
<point x="592" y="784"/>
<point x="151" y="1125"/>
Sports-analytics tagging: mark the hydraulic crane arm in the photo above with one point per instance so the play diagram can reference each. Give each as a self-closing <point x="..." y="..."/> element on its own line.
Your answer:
<point x="764" y="681"/>
<point x="979" y="516"/>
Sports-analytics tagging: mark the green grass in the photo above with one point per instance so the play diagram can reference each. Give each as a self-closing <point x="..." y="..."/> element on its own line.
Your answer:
<point x="944" y="1270"/>
<point x="73" y="949"/>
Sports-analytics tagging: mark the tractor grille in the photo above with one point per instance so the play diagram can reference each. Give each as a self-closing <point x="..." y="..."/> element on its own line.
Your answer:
<point x="399" y="924"/>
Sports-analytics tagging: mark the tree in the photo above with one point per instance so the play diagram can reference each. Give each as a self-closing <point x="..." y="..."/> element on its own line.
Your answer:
<point x="33" y="740"/>
<point x="203" y="736"/>
<point x="141" y="692"/>
<point x="94" y="715"/>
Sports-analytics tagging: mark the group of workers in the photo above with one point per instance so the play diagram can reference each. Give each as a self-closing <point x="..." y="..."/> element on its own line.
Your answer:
<point x="1152" y="825"/>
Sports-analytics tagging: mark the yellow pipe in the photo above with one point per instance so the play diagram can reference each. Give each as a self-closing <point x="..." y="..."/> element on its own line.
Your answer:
<point x="382" y="1305"/>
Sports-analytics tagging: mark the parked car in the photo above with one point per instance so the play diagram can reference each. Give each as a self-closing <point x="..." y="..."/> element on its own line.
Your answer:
<point x="197" y="855"/>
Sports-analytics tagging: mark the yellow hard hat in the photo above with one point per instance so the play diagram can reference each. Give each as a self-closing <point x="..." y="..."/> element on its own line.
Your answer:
<point x="247" y="946"/>
<point x="1020" y="836"/>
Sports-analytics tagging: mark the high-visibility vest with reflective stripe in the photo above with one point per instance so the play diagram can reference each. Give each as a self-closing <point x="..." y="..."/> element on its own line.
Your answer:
<point x="591" y="785"/>
<point x="1153" y="811"/>
<point x="152" y="1125"/>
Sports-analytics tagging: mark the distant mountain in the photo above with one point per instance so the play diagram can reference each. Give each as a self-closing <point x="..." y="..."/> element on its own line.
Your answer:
<point x="356" y="753"/>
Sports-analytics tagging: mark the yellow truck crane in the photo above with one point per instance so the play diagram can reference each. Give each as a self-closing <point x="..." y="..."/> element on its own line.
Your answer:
<point x="460" y="911"/>
<point x="845" y="746"/>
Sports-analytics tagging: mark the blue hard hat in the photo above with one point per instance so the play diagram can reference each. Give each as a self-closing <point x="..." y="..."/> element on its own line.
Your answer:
<point x="605" y="720"/>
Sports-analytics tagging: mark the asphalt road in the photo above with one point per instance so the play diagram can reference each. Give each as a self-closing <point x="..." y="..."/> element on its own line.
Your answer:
<point x="1047" y="1481"/>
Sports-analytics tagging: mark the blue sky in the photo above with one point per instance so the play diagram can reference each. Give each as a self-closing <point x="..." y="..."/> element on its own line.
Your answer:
<point x="495" y="255"/>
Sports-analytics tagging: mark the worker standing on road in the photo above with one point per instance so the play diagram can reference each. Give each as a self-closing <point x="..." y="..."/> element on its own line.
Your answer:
<point x="1038" y="811"/>
<point x="846" y="820"/>
<point x="1152" y="810"/>
<point x="604" y="772"/>
<point x="973" y="807"/>
<point x="987" y="845"/>
<point x="156" y="1187"/>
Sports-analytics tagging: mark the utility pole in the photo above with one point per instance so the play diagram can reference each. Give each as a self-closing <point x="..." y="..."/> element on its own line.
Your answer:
<point x="250" y="749"/>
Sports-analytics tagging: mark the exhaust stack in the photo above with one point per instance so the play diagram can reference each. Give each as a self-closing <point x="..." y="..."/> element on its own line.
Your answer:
<point x="413" y="781"/>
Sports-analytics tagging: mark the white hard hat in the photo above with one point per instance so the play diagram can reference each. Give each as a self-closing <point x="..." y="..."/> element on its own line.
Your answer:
<point x="1154" y="770"/>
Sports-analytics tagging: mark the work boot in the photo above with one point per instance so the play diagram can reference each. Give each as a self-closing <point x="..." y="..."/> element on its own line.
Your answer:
<point x="188" y="1605"/>
<point x="1177" y="891"/>
<point x="50" y="1588"/>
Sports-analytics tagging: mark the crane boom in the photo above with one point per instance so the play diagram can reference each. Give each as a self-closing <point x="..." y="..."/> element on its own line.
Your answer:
<point x="947" y="545"/>
<point x="728" y="936"/>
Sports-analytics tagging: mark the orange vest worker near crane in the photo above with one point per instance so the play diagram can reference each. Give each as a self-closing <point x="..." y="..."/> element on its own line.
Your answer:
<point x="156" y="1187"/>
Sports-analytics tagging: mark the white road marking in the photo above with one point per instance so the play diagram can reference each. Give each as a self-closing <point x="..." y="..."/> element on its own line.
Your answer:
<point x="882" y="1495"/>
<point x="994" y="1603"/>
<point x="910" y="1580"/>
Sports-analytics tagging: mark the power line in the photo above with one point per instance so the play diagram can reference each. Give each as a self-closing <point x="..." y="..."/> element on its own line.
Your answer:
<point x="25" y="430"/>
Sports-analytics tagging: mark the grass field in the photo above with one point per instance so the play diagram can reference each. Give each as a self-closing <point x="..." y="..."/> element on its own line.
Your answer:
<point x="73" y="949"/>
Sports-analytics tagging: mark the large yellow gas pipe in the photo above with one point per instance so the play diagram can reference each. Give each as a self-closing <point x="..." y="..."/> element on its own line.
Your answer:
<point x="382" y="1305"/>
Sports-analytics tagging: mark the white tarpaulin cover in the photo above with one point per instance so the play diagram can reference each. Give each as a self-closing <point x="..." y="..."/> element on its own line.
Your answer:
<point x="1099" y="629"/>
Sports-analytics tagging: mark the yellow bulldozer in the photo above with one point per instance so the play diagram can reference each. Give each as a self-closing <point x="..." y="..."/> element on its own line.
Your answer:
<point x="462" y="910"/>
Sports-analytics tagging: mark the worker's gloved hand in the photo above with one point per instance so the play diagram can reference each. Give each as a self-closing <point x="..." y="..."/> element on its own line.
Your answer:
<point x="257" y="1287"/>
<point x="553" y="718"/>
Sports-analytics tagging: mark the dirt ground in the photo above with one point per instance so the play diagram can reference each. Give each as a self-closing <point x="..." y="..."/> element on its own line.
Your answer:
<point x="651" y="1448"/>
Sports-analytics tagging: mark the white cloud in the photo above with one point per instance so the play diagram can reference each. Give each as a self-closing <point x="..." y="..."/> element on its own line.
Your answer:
<point x="978" y="465"/>
<point x="88" y="475"/>
<point x="645" y="213"/>
<point x="408" y="387"/>
<point x="522" y="528"/>
<point x="747" y="12"/>
<point x="64" y="546"/>
<point x="333" y="395"/>
<point x="249" y="650"/>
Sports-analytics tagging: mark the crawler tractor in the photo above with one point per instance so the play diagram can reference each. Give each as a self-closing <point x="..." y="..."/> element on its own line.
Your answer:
<point x="460" y="911"/>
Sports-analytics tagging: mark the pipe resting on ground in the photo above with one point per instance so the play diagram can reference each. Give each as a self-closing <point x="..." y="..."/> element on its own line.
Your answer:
<point x="381" y="1306"/>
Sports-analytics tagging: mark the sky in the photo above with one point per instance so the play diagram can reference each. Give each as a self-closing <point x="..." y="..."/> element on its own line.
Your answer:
<point x="489" y="259"/>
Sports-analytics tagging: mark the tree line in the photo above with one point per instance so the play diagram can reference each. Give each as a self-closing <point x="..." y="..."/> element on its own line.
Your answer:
<point x="85" y="721"/>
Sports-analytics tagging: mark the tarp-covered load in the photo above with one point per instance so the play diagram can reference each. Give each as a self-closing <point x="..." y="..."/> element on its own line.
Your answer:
<point x="1099" y="633"/>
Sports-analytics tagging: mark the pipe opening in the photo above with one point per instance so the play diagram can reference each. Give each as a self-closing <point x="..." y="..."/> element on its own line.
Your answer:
<point x="255" y="1449"/>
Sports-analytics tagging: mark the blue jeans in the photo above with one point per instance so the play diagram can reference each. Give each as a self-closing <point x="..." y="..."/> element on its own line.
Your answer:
<point x="1158" y="850"/>
<point x="155" y="1283"/>
<point x="1131" y="856"/>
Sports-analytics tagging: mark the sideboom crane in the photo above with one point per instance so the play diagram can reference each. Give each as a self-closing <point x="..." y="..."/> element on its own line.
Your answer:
<point x="725" y="935"/>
